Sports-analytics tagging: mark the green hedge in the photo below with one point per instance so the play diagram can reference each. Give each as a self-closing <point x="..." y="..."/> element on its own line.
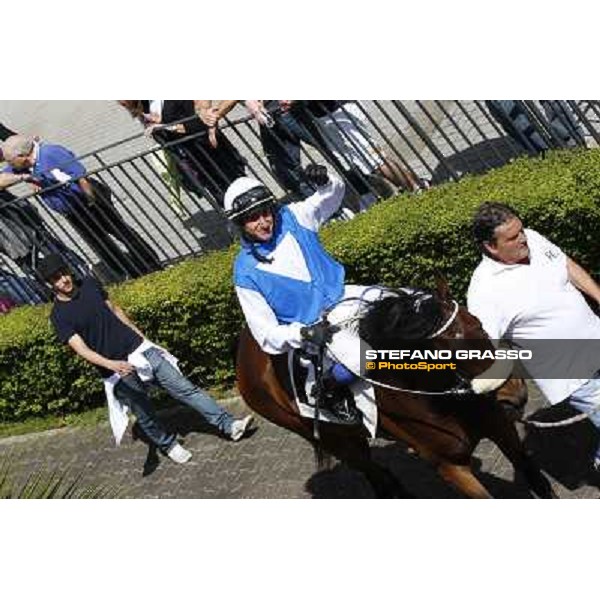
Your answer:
<point x="191" y="308"/>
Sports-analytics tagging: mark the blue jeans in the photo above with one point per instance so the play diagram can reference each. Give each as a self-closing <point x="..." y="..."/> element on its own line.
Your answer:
<point x="133" y="392"/>
<point x="586" y="398"/>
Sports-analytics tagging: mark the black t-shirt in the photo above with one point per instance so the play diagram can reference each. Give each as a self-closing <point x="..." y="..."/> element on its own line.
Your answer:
<point x="175" y="110"/>
<point x="87" y="315"/>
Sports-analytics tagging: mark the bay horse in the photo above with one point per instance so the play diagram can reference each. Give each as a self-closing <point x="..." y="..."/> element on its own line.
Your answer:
<point x="443" y="429"/>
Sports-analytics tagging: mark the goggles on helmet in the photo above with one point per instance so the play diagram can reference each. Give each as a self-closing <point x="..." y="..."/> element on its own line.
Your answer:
<point x="250" y="201"/>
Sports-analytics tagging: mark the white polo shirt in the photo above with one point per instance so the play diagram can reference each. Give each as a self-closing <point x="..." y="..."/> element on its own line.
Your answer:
<point x="536" y="301"/>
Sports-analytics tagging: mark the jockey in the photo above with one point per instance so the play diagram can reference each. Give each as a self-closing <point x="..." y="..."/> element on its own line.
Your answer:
<point x="285" y="280"/>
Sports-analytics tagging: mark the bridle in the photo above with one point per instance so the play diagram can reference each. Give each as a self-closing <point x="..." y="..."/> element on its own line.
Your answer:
<point x="463" y="386"/>
<point x="448" y="322"/>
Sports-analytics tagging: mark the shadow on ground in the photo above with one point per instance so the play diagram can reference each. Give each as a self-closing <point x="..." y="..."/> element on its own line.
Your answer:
<point x="418" y="476"/>
<point x="564" y="454"/>
<point x="182" y="421"/>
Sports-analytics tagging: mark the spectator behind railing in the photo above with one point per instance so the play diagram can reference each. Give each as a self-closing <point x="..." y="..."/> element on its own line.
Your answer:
<point x="208" y="162"/>
<point x="339" y="130"/>
<point x="281" y="135"/>
<point x="85" y="202"/>
<point x="25" y="239"/>
<point x="561" y="123"/>
<point x="344" y="127"/>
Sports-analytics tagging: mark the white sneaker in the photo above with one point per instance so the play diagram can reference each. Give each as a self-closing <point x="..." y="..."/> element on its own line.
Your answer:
<point x="179" y="454"/>
<point x="239" y="426"/>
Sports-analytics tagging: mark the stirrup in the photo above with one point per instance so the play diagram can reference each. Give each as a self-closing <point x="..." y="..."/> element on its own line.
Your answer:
<point x="342" y="407"/>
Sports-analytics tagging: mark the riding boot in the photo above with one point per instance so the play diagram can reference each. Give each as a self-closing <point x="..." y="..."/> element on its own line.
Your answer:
<point x="339" y="400"/>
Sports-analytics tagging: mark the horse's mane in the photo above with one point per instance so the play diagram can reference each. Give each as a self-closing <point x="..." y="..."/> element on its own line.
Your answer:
<point x="408" y="314"/>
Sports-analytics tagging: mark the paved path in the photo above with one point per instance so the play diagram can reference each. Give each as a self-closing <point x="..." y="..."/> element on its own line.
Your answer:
<point x="273" y="463"/>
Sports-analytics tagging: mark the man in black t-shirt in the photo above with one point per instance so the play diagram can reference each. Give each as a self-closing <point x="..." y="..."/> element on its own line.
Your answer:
<point x="101" y="333"/>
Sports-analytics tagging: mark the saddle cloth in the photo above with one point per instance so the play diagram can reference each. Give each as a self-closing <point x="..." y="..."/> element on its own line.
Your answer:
<point x="302" y="370"/>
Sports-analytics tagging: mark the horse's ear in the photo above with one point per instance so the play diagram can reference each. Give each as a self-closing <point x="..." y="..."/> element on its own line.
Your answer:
<point x="442" y="287"/>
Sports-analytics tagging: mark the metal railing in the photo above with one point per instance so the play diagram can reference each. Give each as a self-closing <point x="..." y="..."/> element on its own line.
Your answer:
<point x="159" y="199"/>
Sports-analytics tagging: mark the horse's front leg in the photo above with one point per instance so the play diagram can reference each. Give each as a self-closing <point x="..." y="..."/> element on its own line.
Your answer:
<point x="502" y="431"/>
<point x="461" y="477"/>
<point x="355" y="452"/>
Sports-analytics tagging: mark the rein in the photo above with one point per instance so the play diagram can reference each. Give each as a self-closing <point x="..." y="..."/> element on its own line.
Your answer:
<point x="461" y="390"/>
<point x="552" y="424"/>
<point x="455" y="391"/>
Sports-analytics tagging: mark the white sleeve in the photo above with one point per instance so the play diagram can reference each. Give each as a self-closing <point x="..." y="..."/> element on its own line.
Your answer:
<point x="487" y="310"/>
<point x="316" y="209"/>
<point x="272" y="337"/>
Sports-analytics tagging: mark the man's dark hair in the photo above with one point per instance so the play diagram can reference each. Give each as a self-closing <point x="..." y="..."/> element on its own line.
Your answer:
<point x="490" y="215"/>
<point x="51" y="265"/>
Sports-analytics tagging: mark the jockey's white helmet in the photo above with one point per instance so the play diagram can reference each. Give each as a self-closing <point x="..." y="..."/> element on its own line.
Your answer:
<point x="244" y="196"/>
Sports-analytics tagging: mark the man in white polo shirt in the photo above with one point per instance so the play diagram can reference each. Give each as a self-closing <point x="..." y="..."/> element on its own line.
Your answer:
<point x="526" y="289"/>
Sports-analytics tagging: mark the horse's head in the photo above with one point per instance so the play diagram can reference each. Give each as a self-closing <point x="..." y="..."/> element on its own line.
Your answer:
<point x="434" y="320"/>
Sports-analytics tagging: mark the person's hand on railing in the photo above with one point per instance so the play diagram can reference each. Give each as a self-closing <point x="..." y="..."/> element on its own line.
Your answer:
<point x="150" y="129"/>
<point x="151" y="122"/>
<point x="257" y="109"/>
<point x="150" y="119"/>
<point x="209" y="116"/>
<point x="34" y="183"/>
<point x="8" y="179"/>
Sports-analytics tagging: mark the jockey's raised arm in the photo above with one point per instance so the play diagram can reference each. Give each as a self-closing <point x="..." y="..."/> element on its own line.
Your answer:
<point x="318" y="208"/>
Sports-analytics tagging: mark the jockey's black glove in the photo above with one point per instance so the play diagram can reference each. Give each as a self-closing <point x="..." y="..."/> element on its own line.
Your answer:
<point x="318" y="334"/>
<point x="316" y="175"/>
